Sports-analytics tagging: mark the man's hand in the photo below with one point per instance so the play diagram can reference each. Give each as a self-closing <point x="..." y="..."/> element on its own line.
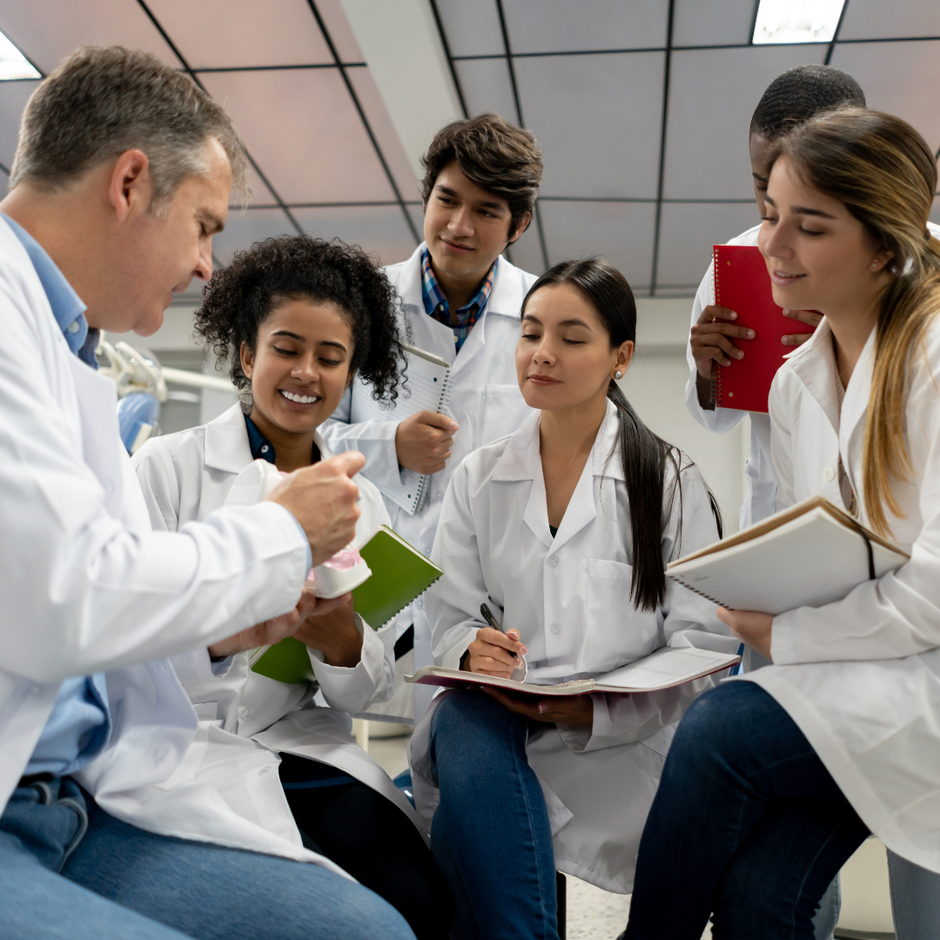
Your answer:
<point x="423" y="441"/>
<point x="323" y="499"/>
<point x="491" y="653"/>
<point x="753" y="629"/>
<point x="275" y="629"/>
<point x="710" y="344"/>
<point x="334" y="633"/>
<point x="574" y="710"/>
<point x="804" y="316"/>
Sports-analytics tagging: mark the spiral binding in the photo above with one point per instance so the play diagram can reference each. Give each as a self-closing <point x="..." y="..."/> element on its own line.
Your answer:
<point x="718" y="367"/>
<point x="695" y="590"/>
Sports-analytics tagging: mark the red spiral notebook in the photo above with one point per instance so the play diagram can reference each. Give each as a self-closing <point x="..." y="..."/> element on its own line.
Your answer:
<point x="742" y="284"/>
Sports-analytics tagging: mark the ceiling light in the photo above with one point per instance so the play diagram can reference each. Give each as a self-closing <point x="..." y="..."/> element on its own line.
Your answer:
<point x="13" y="64"/>
<point x="781" y="21"/>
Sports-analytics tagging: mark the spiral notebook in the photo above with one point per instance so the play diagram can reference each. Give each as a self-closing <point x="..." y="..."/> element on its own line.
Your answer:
<point x="809" y="555"/>
<point x="426" y="388"/>
<point x="742" y="284"/>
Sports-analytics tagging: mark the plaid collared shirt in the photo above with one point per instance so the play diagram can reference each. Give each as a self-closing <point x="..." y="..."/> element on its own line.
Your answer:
<point x="435" y="303"/>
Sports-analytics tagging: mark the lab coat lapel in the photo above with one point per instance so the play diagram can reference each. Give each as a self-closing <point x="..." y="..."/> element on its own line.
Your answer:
<point x="815" y="365"/>
<point x="855" y="410"/>
<point x="227" y="445"/>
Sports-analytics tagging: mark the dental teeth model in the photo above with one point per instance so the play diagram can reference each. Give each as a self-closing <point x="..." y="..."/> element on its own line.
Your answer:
<point x="343" y="572"/>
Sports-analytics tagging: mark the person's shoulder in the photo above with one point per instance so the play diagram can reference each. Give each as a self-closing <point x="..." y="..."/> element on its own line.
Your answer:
<point x="746" y="238"/>
<point x="171" y="449"/>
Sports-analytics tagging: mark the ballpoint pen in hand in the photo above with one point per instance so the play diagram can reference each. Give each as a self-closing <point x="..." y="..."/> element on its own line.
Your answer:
<point x="522" y="667"/>
<point x="491" y="620"/>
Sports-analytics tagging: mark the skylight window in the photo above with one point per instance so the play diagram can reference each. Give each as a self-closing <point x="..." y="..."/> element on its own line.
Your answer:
<point x="783" y="21"/>
<point x="13" y="64"/>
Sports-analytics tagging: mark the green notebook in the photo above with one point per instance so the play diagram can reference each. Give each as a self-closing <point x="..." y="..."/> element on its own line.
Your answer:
<point x="400" y="573"/>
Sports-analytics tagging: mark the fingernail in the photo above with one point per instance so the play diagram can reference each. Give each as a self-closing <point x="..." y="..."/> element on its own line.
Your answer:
<point x="750" y="334"/>
<point x="453" y="425"/>
<point x="542" y="708"/>
<point x="733" y="315"/>
<point x="739" y="354"/>
<point x="523" y="650"/>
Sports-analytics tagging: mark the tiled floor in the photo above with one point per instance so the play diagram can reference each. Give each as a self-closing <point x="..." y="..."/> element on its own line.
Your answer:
<point x="592" y="912"/>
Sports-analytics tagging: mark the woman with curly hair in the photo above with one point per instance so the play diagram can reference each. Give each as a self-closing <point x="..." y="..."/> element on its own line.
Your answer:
<point x="296" y="319"/>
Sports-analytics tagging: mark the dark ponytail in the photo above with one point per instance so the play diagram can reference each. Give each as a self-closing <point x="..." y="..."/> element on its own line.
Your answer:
<point x="644" y="456"/>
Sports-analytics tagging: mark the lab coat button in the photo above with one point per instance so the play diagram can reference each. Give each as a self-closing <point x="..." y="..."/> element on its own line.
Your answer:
<point x="245" y="714"/>
<point x="553" y="561"/>
<point x="555" y="628"/>
<point x="829" y="474"/>
<point x="74" y="326"/>
<point x="264" y="448"/>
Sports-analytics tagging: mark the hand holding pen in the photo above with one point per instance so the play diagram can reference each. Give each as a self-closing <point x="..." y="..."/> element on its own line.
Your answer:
<point x="494" y="652"/>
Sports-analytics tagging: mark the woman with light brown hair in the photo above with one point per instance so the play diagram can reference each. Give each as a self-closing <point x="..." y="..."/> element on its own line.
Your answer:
<point x="773" y="782"/>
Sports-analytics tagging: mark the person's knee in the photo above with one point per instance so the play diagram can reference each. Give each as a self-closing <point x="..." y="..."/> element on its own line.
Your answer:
<point x="466" y="715"/>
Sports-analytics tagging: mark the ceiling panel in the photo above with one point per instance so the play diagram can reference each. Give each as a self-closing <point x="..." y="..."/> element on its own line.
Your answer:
<point x="527" y="251"/>
<point x="875" y="19"/>
<point x="304" y="131"/>
<point x="622" y="232"/>
<point x="245" y="228"/>
<point x="898" y="77"/>
<point x="13" y="98"/>
<point x="486" y="87"/>
<point x="687" y="233"/>
<point x="334" y="19"/>
<point x="260" y="194"/>
<point x="714" y="23"/>
<point x="712" y="95"/>
<point x="379" y="230"/>
<point x="218" y="34"/>
<point x="583" y="25"/>
<point x="381" y="123"/>
<point x="49" y="30"/>
<point x="598" y="118"/>
<point x="417" y="216"/>
<point x="472" y="27"/>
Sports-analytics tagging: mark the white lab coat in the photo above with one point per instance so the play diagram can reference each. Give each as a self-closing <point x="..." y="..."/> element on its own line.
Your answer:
<point x="189" y="475"/>
<point x="569" y="599"/>
<point x="759" y="500"/>
<point x="485" y="401"/>
<point x="861" y="677"/>
<point x="87" y="587"/>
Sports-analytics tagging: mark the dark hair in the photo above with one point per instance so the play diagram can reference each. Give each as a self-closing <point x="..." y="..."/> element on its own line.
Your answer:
<point x="645" y="457"/>
<point x="103" y="101"/>
<point x="493" y="154"/>
<point x="240" y="297"/>
<point x="801" y="93"/>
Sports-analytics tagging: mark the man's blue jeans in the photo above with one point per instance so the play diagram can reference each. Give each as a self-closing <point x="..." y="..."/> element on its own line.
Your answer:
<point x="491" y="835"/>
<point x="69" y="870"/>
<point x="747" y="825"/>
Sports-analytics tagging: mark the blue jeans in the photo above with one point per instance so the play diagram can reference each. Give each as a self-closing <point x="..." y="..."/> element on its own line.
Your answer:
<point x="491" y="836"/>
<point x="747" y="825"/>
<point x="69" y="870"/>
<point x="915" y="899"/>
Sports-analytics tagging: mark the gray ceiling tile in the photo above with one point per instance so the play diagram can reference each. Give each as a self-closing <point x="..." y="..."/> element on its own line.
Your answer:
<point x="417" y="216"/>
<point x="622" y="232"/>
<point x="334" y="19"/>
<point x="245" y="228"/>
<point x="486" y="87"/>
<point x="379" y="230"/>
<point x="304" y="131"/>
<point x="898" y="77"/>
<point x="714" y="23"/>
<point x="49" y="30"/>
<point x="875" y="19"/>
<point x="13" y="98"/>
<point x="597" y="118"/>
<point x="471" y="27"/>
<point x="381" y="123"/>
<point x="260" y="194"/>
<point x="583" y="25"/>
<point x="688" y="232"/>
<point x="712" y="95"/>
<point x="241" y="33"/>
<point x="526" y="251"/>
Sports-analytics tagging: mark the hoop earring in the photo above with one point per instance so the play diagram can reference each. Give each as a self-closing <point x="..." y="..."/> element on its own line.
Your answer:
<point x="618" y="374"/>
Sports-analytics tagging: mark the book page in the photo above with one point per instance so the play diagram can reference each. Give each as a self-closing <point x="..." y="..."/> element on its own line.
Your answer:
<point x="665" y="668"/>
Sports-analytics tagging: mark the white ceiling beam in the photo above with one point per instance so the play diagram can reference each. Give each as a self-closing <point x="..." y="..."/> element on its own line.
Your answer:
<point x="403" y="49"/>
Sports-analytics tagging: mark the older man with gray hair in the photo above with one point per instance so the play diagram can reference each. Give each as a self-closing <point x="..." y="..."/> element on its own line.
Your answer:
<point x="111" y="824"/>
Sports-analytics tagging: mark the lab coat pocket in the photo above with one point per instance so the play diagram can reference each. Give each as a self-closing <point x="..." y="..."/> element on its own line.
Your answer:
<point x="615" y="632"/>
<point x="504" y="409"/>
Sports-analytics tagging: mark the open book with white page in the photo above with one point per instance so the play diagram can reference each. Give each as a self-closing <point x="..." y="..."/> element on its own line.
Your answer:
<point x="426" y="387"/>
<point x="662" y="669"/>
<point x="809" y="555"/>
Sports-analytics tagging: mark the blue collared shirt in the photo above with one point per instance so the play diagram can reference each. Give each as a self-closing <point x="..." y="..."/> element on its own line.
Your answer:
<point x="80" y="723"/>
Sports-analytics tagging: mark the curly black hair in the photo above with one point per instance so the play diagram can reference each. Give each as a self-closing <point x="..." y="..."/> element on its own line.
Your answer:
<point x="241" y="296"/>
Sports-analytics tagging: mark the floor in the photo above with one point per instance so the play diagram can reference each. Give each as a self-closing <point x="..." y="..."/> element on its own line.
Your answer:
<point x="592" y="912"/>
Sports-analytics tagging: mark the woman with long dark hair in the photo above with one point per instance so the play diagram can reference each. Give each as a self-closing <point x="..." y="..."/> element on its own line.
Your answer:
<point x="563" y="529"/>
<point x="773" y="782"/>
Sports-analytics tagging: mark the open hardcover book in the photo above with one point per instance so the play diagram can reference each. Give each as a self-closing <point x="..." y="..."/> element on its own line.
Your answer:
<point x="660" y="670"/>
<point x="400" y="573"/>
<point x="809" y="555"/>
<point x="426" y="387"/>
